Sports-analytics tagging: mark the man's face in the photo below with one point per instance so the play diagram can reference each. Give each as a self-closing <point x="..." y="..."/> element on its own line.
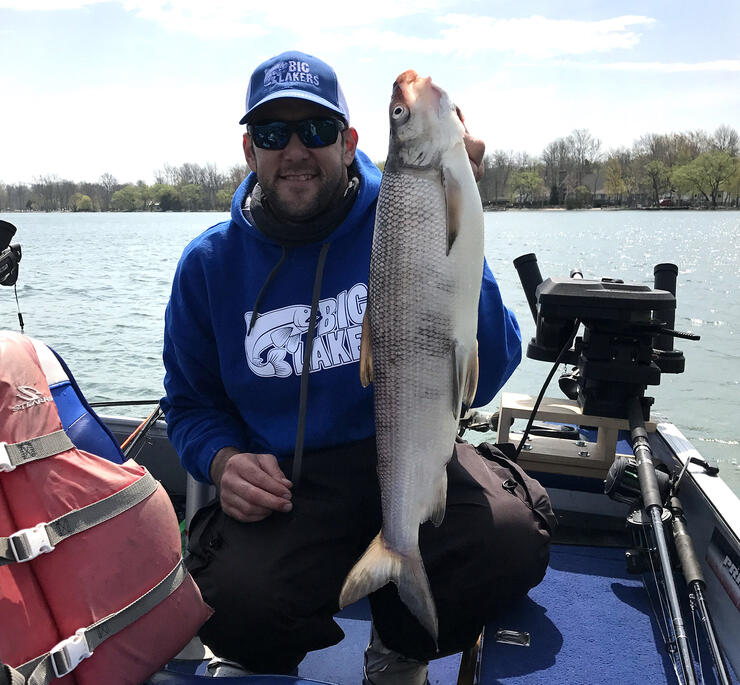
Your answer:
<point x="300" y="182"/>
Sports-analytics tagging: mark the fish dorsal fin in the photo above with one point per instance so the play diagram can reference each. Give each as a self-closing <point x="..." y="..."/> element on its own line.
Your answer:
<point x="366" y="352"/>
<point x="453" y="202"/>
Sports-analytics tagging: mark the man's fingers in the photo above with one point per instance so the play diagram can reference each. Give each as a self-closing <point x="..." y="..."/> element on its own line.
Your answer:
<point x="269" y="463"/>
<point x="241" y="511"/>
<point x="262" y="470"/>
<point x="253" y="486"/>
<point x="475" y="148"/>
<point x="259" y="497"/>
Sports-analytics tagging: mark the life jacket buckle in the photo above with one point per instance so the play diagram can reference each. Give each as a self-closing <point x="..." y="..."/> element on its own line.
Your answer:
<point x="5" y="464"/>
<point x="29" y="543"/>
<point x="66" y="656"/>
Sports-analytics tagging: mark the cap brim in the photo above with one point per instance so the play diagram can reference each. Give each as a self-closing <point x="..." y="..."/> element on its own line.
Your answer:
<point x="294" y="95"/>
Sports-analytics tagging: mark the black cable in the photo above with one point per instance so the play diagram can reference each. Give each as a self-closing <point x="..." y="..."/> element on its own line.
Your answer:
<point x="561" y="354"/>
<point x="18" y="305"/>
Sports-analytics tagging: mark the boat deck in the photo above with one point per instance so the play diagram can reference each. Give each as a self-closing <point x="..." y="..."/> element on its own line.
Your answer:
<point x="590" y="622"/>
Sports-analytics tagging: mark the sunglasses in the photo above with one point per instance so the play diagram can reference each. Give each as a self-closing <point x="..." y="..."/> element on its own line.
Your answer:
<point x="274" y="135"/>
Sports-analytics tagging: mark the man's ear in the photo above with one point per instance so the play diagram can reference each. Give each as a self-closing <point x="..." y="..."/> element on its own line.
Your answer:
<point x="349" y="139"/>
<point x="249" y="152"/>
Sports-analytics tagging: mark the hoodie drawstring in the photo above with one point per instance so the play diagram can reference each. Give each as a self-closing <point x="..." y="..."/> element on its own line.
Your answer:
<point x="269" y="278"/>
<point x="303" y="401"/>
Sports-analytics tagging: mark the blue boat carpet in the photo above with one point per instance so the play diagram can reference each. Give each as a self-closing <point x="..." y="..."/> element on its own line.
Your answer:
<point x="590" y="623"/>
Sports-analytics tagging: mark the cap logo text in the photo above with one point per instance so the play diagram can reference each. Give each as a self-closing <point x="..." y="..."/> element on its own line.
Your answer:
<point x="290" y="71"/>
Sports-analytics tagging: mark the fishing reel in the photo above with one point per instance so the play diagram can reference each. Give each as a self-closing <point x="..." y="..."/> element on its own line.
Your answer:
<point x="627" y="340"/>
<point x="10" y="254"/>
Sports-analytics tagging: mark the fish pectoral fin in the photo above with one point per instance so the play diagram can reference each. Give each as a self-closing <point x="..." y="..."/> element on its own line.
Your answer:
<point x="381" y="565"/>
<point x="453" y="202"/>
<point x="293" y="342"/>
<point x="280" y="335"/>
<point x="437" y="514"/>
<point x="366" y="352"/>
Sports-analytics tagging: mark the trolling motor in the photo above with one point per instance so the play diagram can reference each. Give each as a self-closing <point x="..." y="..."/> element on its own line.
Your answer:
<point x="627" y="343"/>
<point x="10" y="254"/>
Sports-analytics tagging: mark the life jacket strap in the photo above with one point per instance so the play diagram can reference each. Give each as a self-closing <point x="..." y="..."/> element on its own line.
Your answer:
<point x="29" y="543"/>
<point x="64" y="657"/>
<point x="18" y="453"/>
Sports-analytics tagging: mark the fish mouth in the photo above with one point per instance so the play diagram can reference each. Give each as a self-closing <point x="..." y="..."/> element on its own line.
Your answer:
<point x="410" y="87"/>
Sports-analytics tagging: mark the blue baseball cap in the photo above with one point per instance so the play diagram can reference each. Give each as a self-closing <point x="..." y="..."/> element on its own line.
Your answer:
<point x="295" y="75"/>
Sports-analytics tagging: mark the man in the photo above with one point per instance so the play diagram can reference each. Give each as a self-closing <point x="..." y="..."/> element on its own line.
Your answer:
<point x="261" y="351"/>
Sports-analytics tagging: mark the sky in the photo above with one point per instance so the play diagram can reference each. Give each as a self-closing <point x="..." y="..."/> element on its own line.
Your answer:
<point x="126" y="86"/>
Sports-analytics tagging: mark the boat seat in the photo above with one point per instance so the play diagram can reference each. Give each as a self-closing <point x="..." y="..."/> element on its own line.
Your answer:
<point x="80" y="422"/>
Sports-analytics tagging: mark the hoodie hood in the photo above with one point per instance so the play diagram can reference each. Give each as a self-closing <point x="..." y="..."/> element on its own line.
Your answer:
<point x="369" y="176"/>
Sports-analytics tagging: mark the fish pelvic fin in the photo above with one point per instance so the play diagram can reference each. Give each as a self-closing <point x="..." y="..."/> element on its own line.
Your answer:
<point x="437" y="513"/>
<point x="453" y="201"/>
<point x="366" y="352"/>
<point x="276" y="358"/>
<point x="464" y="379"/>
<point x="471" y="378"/>
<point x="381" y="565"/>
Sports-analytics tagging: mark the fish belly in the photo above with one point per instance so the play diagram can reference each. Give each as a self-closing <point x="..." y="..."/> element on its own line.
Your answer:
<point x="420" y="301"/>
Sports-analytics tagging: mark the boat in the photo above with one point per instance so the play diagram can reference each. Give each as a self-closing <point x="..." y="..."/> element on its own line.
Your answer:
<point x="638" y="507"/>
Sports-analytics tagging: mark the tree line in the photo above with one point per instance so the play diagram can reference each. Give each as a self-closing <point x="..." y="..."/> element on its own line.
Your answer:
<point x="189" y="187"/>
<point x="688" y="169"/>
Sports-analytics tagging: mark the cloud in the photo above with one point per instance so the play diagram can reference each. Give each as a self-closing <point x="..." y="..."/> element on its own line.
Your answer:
<point x="46" y="5"/>
<point x="333" y="24"/>
<point x="236" y="18"/>
<point x="539" y="36"/>
<point x="664" y="67"/>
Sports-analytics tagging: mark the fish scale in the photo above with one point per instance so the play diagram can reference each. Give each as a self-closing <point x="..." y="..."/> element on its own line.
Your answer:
<point x="419" y="334"/>
<point x="409" y="365"/>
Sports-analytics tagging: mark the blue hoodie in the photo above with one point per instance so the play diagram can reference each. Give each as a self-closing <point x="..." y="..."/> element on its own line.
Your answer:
<point x="225" y="388"/>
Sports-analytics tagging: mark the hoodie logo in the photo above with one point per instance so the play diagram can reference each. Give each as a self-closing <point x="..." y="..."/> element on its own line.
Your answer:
<point x="274" y="348"/>
<point x="31" y="396"/>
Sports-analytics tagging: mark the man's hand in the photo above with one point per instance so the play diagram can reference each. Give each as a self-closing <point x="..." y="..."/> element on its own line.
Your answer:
<point x="251" y="486"/>
<point x="475" y="148"/>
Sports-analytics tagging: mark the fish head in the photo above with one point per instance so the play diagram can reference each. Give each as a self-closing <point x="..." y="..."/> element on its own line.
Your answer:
<point x="424" y="123"/>
<point x="301" y="318"/>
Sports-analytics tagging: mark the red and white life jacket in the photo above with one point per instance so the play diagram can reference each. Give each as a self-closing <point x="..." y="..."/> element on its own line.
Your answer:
<point x="92" y="586"/>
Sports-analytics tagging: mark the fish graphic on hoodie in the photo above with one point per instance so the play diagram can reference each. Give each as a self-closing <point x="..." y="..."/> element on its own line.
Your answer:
<point x="272" y="336"/>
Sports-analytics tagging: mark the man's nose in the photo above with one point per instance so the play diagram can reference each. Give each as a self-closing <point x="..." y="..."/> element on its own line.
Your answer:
<point x="295" y="148"/>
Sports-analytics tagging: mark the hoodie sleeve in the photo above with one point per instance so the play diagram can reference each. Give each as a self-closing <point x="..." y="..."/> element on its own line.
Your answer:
<point x="201" y="419"/>
<point x="499" y="340"/>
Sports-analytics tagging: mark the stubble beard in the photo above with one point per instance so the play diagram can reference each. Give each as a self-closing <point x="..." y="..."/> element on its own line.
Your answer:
<point x="290" y="206"/>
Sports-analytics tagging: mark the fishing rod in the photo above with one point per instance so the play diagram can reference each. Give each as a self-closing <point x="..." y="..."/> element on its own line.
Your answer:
<point x="627" y="343"/>
<point x="653" y="505"/>
<point x="141" y="431"/>
<point x="695" y="583"/>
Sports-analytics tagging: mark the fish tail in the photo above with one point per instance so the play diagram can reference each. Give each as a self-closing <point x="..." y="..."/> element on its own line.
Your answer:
<point x="381" y="565"/>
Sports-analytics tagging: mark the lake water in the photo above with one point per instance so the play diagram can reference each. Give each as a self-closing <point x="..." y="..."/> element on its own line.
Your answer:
<point x="95" y="287"/>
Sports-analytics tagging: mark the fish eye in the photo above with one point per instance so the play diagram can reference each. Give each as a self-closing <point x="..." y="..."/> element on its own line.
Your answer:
<point x="399" y="111"/>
